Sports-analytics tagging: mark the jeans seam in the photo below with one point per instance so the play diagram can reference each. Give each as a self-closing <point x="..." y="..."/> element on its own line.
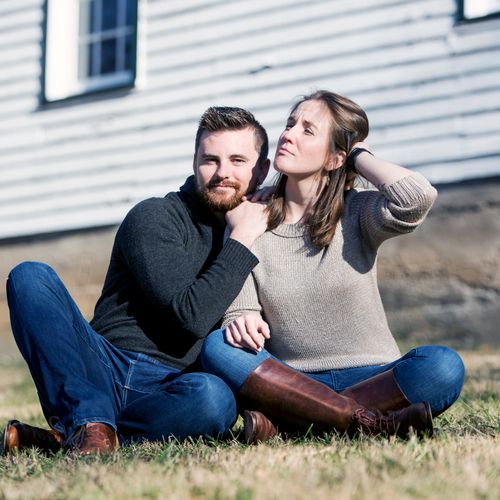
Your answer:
<point x="126" y="386"/>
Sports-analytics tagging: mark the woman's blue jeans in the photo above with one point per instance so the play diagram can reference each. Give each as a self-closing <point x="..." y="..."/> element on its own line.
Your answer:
<point x="81" y="377"/>
<point x="430" y="373"/>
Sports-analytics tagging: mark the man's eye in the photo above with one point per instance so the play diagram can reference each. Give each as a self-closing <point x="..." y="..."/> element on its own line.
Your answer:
<point x="239" y="160"/>
<point x="308" y="131"/>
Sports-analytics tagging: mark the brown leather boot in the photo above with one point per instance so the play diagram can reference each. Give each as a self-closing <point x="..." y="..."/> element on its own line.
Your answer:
<point x="18" y="436"/>
<point x="93" y="438"/>
<point x="288" y="395"/>
<point x="381" y="391"/>
<point x="257" y="427"/>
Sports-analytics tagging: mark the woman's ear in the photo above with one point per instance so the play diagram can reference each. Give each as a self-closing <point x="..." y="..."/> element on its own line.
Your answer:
<point x="336" y="160"/>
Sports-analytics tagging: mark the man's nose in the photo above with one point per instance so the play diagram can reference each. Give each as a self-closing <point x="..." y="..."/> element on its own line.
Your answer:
<point x="223" y="169"/>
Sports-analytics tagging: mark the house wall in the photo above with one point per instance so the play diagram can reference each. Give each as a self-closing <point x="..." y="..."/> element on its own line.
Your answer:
<point x="431" y="89"/>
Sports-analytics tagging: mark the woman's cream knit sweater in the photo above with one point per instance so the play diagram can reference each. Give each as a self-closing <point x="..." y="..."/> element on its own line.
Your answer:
<point x="323" y="307"/>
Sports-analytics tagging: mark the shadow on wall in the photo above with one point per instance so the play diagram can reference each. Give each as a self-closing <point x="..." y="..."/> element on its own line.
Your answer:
<point x="439" y="285"/>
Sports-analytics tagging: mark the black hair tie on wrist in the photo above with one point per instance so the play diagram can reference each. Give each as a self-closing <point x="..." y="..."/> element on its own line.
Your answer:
<point x="351" y="157"/>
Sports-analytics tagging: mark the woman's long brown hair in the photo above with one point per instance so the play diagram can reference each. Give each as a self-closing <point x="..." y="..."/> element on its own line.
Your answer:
<point x="349" y="124"/>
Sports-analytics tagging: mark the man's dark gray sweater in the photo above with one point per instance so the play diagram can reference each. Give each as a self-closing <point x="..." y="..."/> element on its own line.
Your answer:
<point x="170" y="278"/>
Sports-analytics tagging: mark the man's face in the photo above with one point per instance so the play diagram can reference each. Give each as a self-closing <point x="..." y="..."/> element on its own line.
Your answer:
<point x="226" y="168"/>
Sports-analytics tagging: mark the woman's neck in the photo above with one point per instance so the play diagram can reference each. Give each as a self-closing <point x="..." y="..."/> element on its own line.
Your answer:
<point x="300" y="196"/>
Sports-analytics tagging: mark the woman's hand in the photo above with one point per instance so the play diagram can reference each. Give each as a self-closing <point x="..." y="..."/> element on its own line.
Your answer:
<point x="248" y="331"/>
<point x="263" y="194"/>
<point x="363" y="145"/>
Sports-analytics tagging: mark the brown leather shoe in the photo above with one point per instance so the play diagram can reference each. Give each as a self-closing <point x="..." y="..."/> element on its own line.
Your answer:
<point x="18" y="436"/>
<point x="416" y="418"/>
<point x="93" y="438"/>
<point x="257" y="427"/>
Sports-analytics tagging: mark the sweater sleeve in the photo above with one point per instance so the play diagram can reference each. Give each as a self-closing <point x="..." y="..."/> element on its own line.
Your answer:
<point x="246" y="302"/>
<point x="153" y="244"/>
<point x="398" y="208"/>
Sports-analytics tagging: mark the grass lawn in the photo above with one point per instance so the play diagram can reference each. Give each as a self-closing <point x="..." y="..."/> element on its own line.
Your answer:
<point x="461" y="461"/>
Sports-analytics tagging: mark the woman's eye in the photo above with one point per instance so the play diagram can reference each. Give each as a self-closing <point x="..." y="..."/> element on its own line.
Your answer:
<point x="308" y="131"/>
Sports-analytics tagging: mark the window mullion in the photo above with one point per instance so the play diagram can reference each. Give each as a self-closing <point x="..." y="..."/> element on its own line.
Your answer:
<point x="121" y="39"/>
<point x="96" y="32"/>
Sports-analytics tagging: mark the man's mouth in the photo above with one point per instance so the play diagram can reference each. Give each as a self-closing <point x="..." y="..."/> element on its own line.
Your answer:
<point x="222" y="187"/>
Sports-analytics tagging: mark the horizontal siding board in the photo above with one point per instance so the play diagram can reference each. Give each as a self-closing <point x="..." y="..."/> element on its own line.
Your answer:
<point x="85" y="190"/>
<point x="431" y="90"/>
<point x="461" y="168"/>
<point x="29" y="19"/>
<point x="13" y="7"/>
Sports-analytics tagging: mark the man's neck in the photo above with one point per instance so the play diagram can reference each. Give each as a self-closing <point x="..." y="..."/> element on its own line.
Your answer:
<point x="220" y="216"/>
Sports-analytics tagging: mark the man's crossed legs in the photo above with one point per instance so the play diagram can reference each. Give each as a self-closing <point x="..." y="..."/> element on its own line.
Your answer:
<point x="82" y="379"/>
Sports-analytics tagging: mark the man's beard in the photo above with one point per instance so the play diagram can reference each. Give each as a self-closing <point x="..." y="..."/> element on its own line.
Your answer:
<point x="221" y="202"/>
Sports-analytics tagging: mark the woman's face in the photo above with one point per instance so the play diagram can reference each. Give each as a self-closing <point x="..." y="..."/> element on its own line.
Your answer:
<point x="304" y="145"/>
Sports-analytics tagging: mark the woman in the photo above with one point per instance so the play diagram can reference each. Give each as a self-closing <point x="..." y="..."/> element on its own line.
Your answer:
<point x="330" y="359"/>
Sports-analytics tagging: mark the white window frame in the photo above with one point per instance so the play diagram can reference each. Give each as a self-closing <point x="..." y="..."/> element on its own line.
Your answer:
<point x="472" y="10"/>
<point x="62" y="56"/>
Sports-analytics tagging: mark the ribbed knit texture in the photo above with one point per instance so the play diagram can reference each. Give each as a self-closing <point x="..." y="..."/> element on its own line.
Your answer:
<point x="323" y="306"/>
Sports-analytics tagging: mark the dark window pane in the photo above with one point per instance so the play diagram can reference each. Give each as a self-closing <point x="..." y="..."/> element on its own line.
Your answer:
<point x="93" y="58"/>
<point x="129" y="53"/>
<point x="108" y="56"/>
<point x="131" y="12"/>
<point x="95" y="16"/>
<point x="109" y="14"/>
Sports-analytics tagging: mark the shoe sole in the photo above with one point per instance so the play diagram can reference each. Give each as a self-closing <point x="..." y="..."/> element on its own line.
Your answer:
<point x="6" y="448"/>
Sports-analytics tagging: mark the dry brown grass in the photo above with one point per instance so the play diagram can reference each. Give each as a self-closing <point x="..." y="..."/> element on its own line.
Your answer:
<point x="461" y="461"/>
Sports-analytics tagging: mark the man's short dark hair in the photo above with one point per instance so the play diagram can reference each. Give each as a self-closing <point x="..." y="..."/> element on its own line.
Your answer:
<point x="217" y="118"/>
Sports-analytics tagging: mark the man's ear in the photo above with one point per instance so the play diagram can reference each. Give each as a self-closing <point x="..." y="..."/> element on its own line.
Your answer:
<point x="336" y="160"/>
<point x="263" y="171"/>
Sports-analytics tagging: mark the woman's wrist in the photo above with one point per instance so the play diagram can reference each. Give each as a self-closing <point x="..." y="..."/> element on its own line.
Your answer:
<point x="353" y="155"/>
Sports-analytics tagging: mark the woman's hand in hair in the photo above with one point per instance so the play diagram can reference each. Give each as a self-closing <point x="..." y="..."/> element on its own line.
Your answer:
<point x="248" y="331"/>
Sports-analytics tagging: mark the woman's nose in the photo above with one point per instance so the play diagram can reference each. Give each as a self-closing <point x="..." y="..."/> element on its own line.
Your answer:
<point x="287" y="135"/>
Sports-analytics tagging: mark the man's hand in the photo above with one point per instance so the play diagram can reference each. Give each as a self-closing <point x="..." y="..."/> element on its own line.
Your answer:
<point x="248" y="331"/>
<point x="247" y="222"/>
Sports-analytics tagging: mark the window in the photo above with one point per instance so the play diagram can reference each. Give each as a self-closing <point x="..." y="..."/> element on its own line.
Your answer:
<point x="90" y="45"/>
<point x="470" y="10"/>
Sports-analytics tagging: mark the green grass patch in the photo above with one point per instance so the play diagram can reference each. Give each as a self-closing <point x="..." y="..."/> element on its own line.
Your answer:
<point x="462" y="460"/>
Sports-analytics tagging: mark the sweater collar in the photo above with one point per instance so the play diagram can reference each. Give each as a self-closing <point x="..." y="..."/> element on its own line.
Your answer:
<point x="296" y="230"/>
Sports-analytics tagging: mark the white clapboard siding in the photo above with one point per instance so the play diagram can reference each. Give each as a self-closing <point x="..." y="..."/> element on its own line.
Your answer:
<point x="431" y="90"/>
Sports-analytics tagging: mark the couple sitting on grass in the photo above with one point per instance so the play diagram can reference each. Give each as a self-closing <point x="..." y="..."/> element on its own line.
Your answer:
<point x="303" y="343"/>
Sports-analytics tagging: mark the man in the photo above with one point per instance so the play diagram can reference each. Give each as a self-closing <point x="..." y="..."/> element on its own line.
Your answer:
<point x="171" y="277"/>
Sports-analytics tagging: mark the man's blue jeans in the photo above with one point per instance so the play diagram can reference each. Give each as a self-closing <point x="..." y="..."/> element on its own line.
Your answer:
<point x="430" y="373"/>
<point x="81" y="377"/>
